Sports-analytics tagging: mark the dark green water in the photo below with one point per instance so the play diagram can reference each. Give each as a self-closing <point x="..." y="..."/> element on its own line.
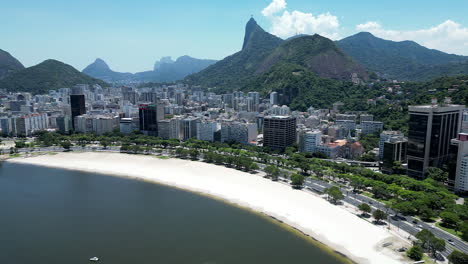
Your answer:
<point x="58" y="216"/>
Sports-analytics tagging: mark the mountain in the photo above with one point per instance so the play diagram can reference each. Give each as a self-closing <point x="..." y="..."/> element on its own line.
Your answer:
<point x="232" y="71"/>
<point x="261" y="51"/>
<point x="163" y="60"/>
<point x="317" y="54"/>
<point x="165" y="70"/>
<point x="405" y="60"/>
<point x="8" y="64"/>
<point x="100" y="70"/>
<point x="45" y="76"/>
<point x="177" y="70"/>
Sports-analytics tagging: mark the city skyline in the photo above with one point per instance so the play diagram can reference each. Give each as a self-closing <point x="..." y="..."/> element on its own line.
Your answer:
<point x="132" y="36"/>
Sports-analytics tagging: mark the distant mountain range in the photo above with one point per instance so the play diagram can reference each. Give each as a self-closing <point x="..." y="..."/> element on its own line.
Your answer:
<point x="262" y="52"/>
<point x="303" y="66"/>
<point x="404" y="60"/>
<point x="45" y="76"/>
<point x="8" y="64"/>
<point x="165" y="70"/>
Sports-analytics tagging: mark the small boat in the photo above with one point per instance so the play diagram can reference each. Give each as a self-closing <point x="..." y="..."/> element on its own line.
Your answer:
<point x="94" y="259"/>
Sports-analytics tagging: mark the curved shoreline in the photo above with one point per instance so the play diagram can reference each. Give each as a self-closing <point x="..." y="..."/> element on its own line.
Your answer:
<point x="340" y="231"/>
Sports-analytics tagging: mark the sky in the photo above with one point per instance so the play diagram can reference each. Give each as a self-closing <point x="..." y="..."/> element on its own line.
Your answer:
<point x="131" y="35"/>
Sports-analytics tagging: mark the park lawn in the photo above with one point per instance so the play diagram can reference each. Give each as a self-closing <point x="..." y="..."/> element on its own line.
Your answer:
<point x="449" y="230"/>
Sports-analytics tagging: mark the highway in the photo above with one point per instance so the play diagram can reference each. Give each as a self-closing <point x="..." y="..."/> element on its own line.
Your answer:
<point x="403" y="222"/>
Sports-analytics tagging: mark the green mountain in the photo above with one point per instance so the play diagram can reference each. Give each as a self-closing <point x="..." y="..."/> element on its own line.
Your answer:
<point x="405" y="60"/>
<point x="300" y="88"/>
<point x="8" y="64"/>
<point x="261" y="52"/>
<point x="232" y="72"/>
<point x="100" y="70"/>
<point x="45" y="76"/>
<point x="317" y="54"/>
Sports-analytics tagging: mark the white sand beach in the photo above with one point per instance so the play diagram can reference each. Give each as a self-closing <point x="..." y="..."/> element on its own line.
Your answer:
<point x="329" y="224"/>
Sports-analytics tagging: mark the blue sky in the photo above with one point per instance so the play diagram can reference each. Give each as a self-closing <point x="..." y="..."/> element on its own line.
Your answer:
<point x="132" y="35"/>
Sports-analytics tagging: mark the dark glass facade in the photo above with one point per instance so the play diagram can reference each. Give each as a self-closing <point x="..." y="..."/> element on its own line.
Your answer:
<point x="429" y="138"/>
<point x="149" y="116"/>
<point x="279" y="132"/>
<point x="78" y="106"/>
<point x="393" y="151"/>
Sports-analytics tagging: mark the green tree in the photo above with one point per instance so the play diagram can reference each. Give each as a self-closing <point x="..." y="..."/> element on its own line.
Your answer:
<point x="297" y="180"/>
<point x="379" y="215"/>
<point x="437" y="174"/>
<point x="334" y="194"/>
<point x="273" y="172"/>
<point x="457" y="257"/>
<point x="66" y="144"/>
<point x="415" y="253"/>
<point x="105" y="143"/>
<point x="426" y="213"/>
<point x="424" y="237"/>
<point x="449" y="219"/>
<point x="436" y="245"/>
<point x="365" y="208"/>
<point x="464" y="230"/>
<point x="20" y="144"/>
<point x="194" y="154"/>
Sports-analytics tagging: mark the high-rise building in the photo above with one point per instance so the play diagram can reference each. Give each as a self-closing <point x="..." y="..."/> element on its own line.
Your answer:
<point x="64" y="124"/>
<point x="274" y="98"/>
<point x="149" y="115"/>
<point x="279" y="132"/>
<point x="458" y="174"/>
<point x="243" y="133"/>
<point x="125" y="126"/>
<point x="98" y="124"/>
<point x="309" y="140"/>
<point x="431" y="127"/>
<point x="371" y="127"/>
<point x="78" y="106"/>
<point x="394" y="150"/>
<point x="464" y="128"/>
<point x="386" y="136"/>
<point x="206" y="130"/>
<point x="169" y="128"/>
<point x="188" y="127"/>
<point x="254" y="101"/>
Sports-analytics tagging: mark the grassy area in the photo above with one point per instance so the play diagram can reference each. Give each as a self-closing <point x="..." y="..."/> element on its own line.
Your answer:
<point x="15" y="155"/>
<point x="370" y="195"/>
<point x="163" y="157"/>
<point x="427" y="259"/>
<point x="449" y="230"/>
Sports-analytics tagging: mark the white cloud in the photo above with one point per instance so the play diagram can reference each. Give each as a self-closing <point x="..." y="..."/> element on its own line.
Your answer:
<point x="274" y="7"/>
<point x="448" y="36"/>
<point x="289" y="24"/>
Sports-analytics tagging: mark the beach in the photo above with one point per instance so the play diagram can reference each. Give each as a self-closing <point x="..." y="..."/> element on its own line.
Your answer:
<point x="314" y="216"/>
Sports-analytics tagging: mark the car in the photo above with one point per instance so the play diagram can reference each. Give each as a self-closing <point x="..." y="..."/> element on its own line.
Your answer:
<point x="414" y="221"/>
<point x="420" y="226"/>
<point x="451" y="242"/>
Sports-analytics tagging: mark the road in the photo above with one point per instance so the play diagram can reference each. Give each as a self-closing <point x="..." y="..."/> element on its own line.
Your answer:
<point x="405" y="223"/>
